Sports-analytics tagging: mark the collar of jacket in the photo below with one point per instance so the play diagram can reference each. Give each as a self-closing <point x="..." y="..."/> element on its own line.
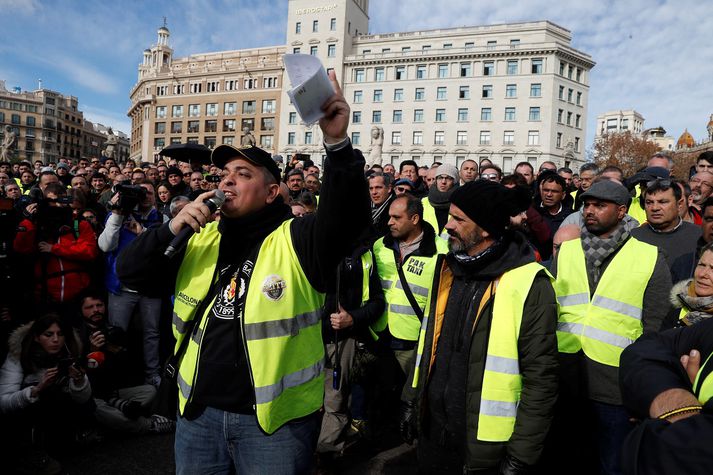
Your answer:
<point x="427" y="247"/>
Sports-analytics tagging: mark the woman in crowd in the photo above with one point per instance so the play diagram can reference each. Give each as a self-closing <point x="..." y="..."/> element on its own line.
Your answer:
<point x="164" y="198"/>
<point x="692" y="299"/>
<point x="45" y="395"/>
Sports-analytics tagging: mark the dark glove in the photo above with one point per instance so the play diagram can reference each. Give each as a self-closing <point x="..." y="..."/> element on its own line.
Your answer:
<point x="512" y="466"/>
<point x="407" y="421"/>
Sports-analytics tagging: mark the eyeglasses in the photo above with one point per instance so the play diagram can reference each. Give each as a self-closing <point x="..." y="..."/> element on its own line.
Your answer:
<point x="665" y="182"/>
<point x="444" y="178"/>
<point x="489" y="176"/>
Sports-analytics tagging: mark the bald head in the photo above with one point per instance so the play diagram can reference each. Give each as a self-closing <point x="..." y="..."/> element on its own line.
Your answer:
<point x="564" y="233"/>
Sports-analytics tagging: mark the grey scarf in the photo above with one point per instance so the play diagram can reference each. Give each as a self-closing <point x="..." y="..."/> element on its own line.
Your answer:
<point x="597" y="250"/>
<point x="699" y="308"/>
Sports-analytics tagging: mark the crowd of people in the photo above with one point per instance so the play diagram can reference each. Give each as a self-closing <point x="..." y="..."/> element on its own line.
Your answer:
<point x="549" y="320"/>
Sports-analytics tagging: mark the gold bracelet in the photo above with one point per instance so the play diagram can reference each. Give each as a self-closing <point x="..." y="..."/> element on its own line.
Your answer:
<point x="680" y="410"/>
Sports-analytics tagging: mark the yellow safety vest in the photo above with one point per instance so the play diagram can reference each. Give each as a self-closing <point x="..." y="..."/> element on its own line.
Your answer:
<point x="281" y="326"/>
<point x="429" y="216"/>
<point x="502" y="381"/>
<point x="399" y="315"/>
<point x="704" y="389"/>
<point x="604" y="324"/>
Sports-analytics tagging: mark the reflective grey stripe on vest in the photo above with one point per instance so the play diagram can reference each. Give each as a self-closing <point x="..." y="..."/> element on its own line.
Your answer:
<point x="574" y="299"/>
<point x="617" y="306"/>
<point x="266" y="394"/>
<point x="183" y="386"/>
<point x="566" y="327"/>
<point x="179" y="324"/>
<point x="606" y="337"/>
<point x="498" y="408"/>
<point x="403" y="309"/>
<point x="500" y="364"/>
<point x="416" y="289"/>
<point x="197" y="335"/>
<point x="386" y="284"/>
<point x="279" y="328"/>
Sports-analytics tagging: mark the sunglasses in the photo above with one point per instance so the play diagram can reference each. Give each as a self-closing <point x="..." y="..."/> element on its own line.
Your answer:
<point x="489" y="176"/>
<point x="186" y="174"/>
<point x="665" y="182"/>
<point x="402" y="189"/>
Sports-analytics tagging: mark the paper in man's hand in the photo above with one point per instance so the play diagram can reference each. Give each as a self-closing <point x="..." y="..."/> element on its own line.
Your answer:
<point x="310" y="85"/>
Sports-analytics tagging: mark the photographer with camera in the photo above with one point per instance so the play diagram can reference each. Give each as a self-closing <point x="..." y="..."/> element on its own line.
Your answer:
<point x="62" y="250"/>
<point x="133" y="211"/>
<point x="45" y="395"/>
<point x="122" y="405"/>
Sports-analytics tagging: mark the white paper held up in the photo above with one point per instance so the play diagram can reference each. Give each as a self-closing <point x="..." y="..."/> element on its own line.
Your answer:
<point x="310" y="85"/>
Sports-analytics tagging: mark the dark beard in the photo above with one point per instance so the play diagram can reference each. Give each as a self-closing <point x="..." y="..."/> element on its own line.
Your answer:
<point x="463" y="245"/>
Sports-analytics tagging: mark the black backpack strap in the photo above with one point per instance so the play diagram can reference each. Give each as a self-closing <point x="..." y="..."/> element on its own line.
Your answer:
<point x="409" y="294"/>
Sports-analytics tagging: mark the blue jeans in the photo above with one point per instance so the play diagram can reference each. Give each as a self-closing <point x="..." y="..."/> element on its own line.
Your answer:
<point x="612" y="428"/>
<point x="220" y="442"/>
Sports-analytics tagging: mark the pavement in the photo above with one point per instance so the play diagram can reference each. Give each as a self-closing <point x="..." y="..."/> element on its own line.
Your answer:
<point x="153" y="455"/>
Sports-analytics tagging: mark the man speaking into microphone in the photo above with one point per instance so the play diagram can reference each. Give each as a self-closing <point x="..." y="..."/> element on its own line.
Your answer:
<point x="248" y="294"/>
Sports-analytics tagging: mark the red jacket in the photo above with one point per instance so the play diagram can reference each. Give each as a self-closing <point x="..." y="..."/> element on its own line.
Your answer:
<point x="67" y="265"/>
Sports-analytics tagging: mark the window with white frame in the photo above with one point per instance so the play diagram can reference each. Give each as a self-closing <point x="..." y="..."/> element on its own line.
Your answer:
<point x="484" y="137"/>
<point x="418" y="137"/>
<point x="509" y="137"/>
<point x="533" y="137"/>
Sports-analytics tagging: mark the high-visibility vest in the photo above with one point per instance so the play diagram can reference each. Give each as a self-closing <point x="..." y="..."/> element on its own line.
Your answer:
<point x="429" y="214"/>
<point x="704" y="389"/>
<point x="399" y="315"/>
<point x="502" y="380"/>
<point x="603" y="325"/>
<point x="281" y="326"/>
<point x="635" y="209"/>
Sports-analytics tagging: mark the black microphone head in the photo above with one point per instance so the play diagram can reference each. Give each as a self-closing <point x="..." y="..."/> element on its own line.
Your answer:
<point x="218" y="199"/>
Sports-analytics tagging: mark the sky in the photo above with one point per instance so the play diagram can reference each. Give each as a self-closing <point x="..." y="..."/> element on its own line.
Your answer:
<point x="652" y="56"/>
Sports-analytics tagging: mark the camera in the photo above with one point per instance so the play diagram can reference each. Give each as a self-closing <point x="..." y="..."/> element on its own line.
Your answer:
<point x="129" y="197"/>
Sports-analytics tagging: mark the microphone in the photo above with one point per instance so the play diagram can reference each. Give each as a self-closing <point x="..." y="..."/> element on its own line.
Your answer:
<point x="181" y="239"/>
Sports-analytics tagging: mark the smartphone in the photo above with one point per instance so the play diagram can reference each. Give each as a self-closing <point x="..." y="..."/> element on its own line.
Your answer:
<point x="213" y="178"/>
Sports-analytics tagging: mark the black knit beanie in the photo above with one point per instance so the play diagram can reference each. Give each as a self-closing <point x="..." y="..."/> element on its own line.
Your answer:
<point x="489" y="204"/>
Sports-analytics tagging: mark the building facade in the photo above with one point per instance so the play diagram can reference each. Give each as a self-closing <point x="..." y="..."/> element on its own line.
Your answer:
<point x="509" y="93"/>
<point x="212" y="98"/>
<point x="47" y="125"/>
<point x="618" y="122"/>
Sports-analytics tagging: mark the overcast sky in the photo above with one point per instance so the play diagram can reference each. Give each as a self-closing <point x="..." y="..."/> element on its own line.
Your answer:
<point x="652" y="56"/>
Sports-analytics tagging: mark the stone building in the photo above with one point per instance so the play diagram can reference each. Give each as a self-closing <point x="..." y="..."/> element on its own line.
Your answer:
<point x="208" y="98"/>
<point x="509" y="93"/>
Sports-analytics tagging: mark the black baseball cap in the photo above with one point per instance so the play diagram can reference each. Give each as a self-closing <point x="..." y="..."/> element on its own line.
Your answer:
<point x="255" y="155"/>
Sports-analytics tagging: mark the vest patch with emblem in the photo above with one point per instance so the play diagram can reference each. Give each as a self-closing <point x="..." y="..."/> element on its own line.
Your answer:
<point x="274" y="287"/>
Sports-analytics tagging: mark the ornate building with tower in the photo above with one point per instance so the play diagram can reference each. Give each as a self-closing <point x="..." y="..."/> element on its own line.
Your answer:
<point x="509" y="92"/>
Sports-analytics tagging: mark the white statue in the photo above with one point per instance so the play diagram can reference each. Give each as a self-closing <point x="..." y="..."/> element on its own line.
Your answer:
<point x="8" y="143"/>
<point x="110" y="144"/>
<point x="248" y="139"/>
<point x="377" y="146"/>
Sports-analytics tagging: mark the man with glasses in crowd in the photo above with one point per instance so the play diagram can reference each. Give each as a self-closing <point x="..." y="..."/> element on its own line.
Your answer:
<point x="438" y="201"/>
<point x="491" y="172"/>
